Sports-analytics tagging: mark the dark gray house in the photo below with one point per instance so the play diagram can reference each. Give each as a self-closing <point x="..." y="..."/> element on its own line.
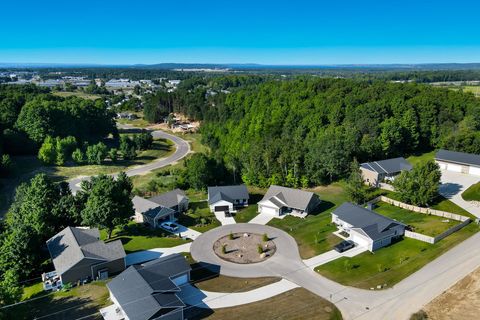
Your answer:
<point x="461" y="162"/>
<point x="377" y="171"/>
<point x="280" y="200"/>
<point x="227" y="198"/>
<point x="147" y="211"/>
<point x="366" y="227"/>
<point x="175" y="200"/>
<point x="78" y="254"/>
<point x="149" y="291"/>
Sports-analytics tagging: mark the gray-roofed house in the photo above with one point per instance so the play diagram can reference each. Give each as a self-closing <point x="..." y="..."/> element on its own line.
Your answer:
<point x="227" y="198"/>
<point x="147" y="211"/>
<point x="149" y="291"/>
<point x="78" y="254"/>
<point x="279" y="201"/>
<point x="175" y="200"/>
<point x="461" y="162"/>
<point x="365" y="227"/>
<point x="377" y="171"/>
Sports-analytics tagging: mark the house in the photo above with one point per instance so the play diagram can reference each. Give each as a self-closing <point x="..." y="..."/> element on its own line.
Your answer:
<point x="175" y="200"/>
<point x="365" y="227"/>
<point x="149" y="291"/>
<point x="147" y="211"/>
<point x="227" y="198"/>
<point x="468" y="163"/>
<point x="279" y="201"/>
<point x="78" y="254"/>
<point x="377" y="171"/>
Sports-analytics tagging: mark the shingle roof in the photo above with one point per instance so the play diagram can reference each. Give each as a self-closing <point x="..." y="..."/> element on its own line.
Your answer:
<point x="72" y="245"/>
<point x="227" y="193"/>
<point x="375" y="225"/>
<point x="458" y="157"/>
<point x="169" y="199"/>
<point x="292" y="198"/>
<point x="150" y="208"/>
<point x="144" y="291"/>
<point x="388" y="166"/>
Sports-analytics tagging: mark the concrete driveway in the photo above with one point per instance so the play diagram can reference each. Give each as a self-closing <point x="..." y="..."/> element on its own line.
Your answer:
<point x="152" y="254"/>
<point x="331" y="255"/>
<point x="452" y="186"/>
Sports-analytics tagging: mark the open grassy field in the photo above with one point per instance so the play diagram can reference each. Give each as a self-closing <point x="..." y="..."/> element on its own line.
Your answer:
<point x="472" y="193"/>
<point x="391" y="264"/>
<point x="78" y="303"/>
<point x="307" y="306"/>
<point x="136" y="237"/>
<point x="79" y="94"/>
<point x="420" y="158"/>
<point x="422" y="223"/>
<point x="138" y="123"/>
<point x="222" y="283"/>
<point x="314" y="233"/>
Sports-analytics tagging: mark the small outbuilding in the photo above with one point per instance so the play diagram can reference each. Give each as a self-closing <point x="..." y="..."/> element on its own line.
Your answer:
<point x="460" y="162"/>
<point x="376" y="172"/>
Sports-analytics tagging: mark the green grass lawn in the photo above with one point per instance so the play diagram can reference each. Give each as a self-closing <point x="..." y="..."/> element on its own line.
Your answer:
<point x="422" y="223"/>
<point x="137" y="237"/>
<point x="199" y="217"/>
<point x="420" y="158"/>
<point x="314" y="233"/>
<point x="138" y="123"/>
<point x="79" y="302"/>
<point x="79" y="94"/>
<point x="246" y="214"/>
<point x="472" y="193"/>
<point x="391" y="264"/>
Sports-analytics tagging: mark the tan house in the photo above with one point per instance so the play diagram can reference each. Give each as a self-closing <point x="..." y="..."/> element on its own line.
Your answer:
<point x="377" y="172"/>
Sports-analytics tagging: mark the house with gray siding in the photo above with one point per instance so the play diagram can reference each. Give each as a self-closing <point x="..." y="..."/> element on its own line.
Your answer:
<point x="149" y="291"/>
<point x="78" y="254"/>
<point x="175" y="200"/>
<point x="365" y="227"/>
<point x="147" y="211"/>
<point x="375" y="172"/>
<point x="280" y="201"/>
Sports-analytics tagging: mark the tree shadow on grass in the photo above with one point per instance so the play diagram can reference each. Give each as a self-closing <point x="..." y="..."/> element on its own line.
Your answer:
<point x="322" y="207"/>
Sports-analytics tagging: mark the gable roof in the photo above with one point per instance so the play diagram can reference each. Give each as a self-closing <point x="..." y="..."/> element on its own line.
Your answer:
<point x="227" y="193"/>
<point x="387" y="166"/>
<point x="72" y="245"/>
<point x="150" y="208"/>
<point x="458" y="157"/>
<point x="374" y="225"/>
<point x="288" y="197"/>
<point x="145" y="291"/>
<point x="169" y="199"/>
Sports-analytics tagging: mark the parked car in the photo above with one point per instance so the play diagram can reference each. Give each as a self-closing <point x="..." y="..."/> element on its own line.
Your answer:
<point x="170" y="226"/>
<point x="344" y="246"/>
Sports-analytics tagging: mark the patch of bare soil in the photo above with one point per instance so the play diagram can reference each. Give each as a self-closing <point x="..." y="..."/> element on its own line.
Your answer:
<point x="460" y="302"/>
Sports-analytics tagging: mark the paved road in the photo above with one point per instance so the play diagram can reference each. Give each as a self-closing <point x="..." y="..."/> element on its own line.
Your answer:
<point x="399" y="302"/>
<point x="182" y="149"/>
<point x="452" y="187"/>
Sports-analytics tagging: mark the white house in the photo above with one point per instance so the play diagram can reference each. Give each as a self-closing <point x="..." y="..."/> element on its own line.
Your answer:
<point x="367" y="228"/>
<point x="281" y="200"/>
<point x="227" y="198"/>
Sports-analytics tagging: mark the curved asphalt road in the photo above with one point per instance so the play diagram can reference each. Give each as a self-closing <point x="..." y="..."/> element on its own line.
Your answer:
<point x="399" y="302"/>
<point x="182" y="149"/>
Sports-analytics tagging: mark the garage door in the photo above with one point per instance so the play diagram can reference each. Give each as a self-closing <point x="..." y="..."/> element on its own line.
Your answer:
<point x="221" y="208"/>
<point x="269" y="210"/>
<point x="454" y="167"/>
<point x="180" y="280"/>
<point x="442" y="165"/>
<point x="475" y="171"/>
<point x="360" y="241"/>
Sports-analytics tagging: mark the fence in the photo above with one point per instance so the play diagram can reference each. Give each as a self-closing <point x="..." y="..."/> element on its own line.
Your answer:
<point x="410" y="207"/>
<point x="414" y="235"/>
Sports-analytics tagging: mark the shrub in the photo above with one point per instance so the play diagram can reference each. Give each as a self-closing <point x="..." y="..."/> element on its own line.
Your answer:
<point x="96" y="153"/>
<point x="230" y="236"/>
<point x="224" y="248"/>
<point x="259" y="249"/>
<point x="48" y="151"/>
<point x="265" y="237"/>
<point x="78" y="156"/>
<point x="420" y="315"/>
<point x="113" y="154"/>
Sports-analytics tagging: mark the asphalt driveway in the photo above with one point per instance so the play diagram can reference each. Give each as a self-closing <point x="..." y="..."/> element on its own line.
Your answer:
<point x="452" y="186"/>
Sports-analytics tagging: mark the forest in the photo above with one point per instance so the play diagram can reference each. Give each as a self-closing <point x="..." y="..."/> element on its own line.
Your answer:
<point x="308" y="131"/>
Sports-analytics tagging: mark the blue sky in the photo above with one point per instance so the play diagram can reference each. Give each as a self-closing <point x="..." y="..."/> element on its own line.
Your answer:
<point x="267" y="32"/>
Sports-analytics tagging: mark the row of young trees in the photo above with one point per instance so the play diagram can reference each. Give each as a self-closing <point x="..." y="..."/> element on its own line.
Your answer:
<point x="41" y="209"/>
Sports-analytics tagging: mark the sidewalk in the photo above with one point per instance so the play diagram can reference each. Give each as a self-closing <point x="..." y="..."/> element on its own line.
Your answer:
<point x="147" y="255"/>
<point x="215" y="300"/>
<point x="331" y="255"/>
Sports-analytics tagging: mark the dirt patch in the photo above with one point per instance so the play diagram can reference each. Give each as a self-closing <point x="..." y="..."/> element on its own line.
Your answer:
<point x="244" y="248"/>
<point x="460" y="302"/>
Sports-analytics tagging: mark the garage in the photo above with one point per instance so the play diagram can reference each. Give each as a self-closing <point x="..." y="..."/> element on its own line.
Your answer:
<point x="359" y="240"/>
<point x="474" y="171"/>
<point x="269" y="210"/>
<point x="460" y="162"/>
<point x="181" y="280"/>
<point x="454" y="167"/>
<point x="221" y="208"/>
